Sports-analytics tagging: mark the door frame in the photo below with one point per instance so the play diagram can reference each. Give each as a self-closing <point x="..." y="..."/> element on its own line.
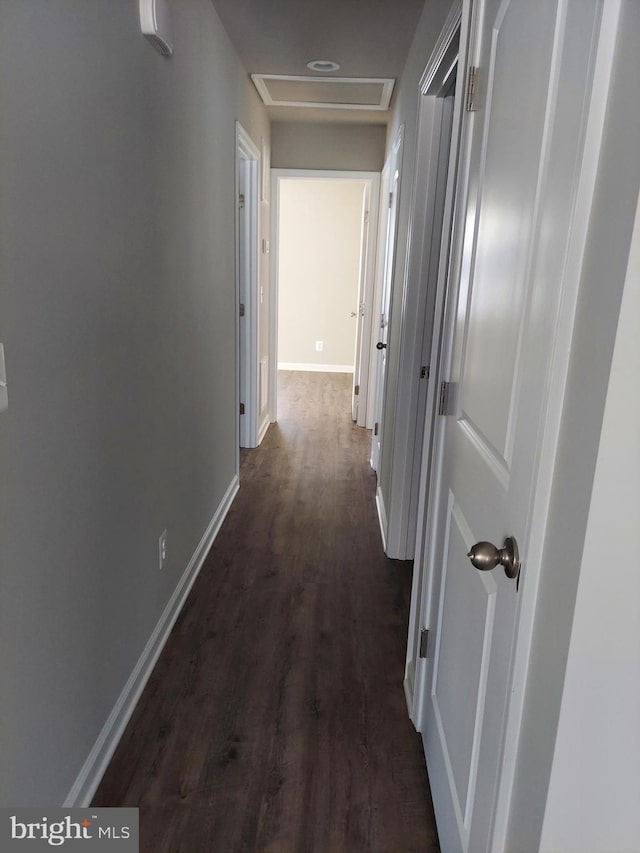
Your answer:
<point x="372" y="179"/>
<point x="385" y="273"/>
<point x="381" y="226"/>
<point x="432" y="269"/>
<point x="432" y="490"/>
<point x="247" y="287"/>
<point x="419" y="294"/>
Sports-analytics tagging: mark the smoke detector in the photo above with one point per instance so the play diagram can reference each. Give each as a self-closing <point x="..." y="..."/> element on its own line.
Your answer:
<point x="155" y="25"/>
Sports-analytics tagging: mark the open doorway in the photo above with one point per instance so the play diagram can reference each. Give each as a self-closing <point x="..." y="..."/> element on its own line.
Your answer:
<point x="323" y="266"/>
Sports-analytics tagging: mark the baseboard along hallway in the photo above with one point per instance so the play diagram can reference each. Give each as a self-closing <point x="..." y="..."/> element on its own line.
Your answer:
<point x="275" y="719"/>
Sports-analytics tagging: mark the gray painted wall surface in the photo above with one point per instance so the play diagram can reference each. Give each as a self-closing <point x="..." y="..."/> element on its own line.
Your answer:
<point x="405" y="111"/>
<point x="596" y="323"/>
<point x="350" y="147"/>
<point x="117" y="311"/>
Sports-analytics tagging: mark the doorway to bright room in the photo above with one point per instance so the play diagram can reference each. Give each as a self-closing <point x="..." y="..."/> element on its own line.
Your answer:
<point x="324" y="265"/>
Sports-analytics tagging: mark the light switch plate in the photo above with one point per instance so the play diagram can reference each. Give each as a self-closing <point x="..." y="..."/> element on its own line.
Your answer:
<point x="4" y="397"/>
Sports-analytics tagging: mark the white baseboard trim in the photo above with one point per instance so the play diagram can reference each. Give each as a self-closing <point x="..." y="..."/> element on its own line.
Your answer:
<point x="408" y="694"/>
<point x="382" y="517"/>
<point x="93" y="769"/>
<point x="316" y="368"/>
<point x="264" y="426"/>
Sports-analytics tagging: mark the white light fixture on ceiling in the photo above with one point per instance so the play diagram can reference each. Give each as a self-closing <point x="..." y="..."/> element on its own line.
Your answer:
<point x="155" y="24"/>
<point x="323" y="65"/>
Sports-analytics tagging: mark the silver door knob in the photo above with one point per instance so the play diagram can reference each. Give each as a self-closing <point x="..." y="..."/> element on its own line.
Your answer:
<point x="485" y="556"/>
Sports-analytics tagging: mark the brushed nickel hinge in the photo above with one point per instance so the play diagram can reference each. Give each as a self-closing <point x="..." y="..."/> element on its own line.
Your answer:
<point x="424" y="371"/>
<point x="241" y="201"/>
<point x="375" y="429"/>
<point x="445" y="398"/>
<point x="242" y="408"/>
<point x="424" y="643"/>
<point x="242" y="309"/>
<point x="366" y="217"/>
<point x="472" y="88"/>
<point x="356" y="390"/>
<point x="390" y="199"/>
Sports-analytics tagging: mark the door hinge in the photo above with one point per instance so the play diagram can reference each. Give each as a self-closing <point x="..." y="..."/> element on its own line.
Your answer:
<point x="375" y="429"/>
<point x="356" y="389"/>
<point x="366" y="217"/>
<point x="242" y="408"/>
<point x="424" y="371"/>
<point x="424" y="643"/>
<point x="242" y="309"/>
<point x="241" y="201"/>
<point x="390" y="199"/>
<point x="472" y="89"/>
<point x="445" y="398"/>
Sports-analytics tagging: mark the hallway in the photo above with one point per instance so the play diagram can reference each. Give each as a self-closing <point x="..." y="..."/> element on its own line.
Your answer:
<point x="275" y="718"/>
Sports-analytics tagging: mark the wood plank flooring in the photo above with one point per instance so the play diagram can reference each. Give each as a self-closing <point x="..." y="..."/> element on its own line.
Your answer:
<point x="275" y="719"/>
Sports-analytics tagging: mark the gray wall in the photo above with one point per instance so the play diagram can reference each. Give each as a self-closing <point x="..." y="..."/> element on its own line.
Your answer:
<point x="405" y="111"/>
<point x="117" y="311"/>
<point x="350" y="147"/>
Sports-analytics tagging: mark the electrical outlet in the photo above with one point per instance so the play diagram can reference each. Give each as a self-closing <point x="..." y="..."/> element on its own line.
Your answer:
<point x="162" y="549"/>
<point x="319" y="346"/>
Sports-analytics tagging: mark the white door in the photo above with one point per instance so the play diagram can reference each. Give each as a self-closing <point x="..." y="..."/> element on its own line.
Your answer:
<point x="501" y="321"/>
<point x="359" y="313"/>
<point x="247" y="186"/>
<point x="380" y="343"/>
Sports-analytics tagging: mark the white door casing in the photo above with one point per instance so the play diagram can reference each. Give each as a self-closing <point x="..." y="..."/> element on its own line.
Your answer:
<point x="440" y="112"/>
<point x="430" y="211"/>
<point x="247" y="285"/>
<point x="505" y="309"/>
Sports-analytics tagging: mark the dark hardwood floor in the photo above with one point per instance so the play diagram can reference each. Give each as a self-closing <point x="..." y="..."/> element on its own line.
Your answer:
<point x="275" y="719"/>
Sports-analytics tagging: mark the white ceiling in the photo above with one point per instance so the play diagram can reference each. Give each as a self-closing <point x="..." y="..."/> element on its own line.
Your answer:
<point x="368" y="38"/>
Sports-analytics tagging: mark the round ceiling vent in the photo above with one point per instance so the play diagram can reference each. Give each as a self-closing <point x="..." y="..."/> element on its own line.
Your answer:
<point x="323" y="65"/>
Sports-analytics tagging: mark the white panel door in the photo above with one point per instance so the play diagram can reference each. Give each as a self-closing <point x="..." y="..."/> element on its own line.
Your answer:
<point x="381" y="341"/>
<point x="500" y="315"/>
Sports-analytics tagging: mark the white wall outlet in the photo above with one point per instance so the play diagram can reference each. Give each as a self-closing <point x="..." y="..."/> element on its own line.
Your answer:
<point x="319" y="346"/>
<point x="162" y="549"/>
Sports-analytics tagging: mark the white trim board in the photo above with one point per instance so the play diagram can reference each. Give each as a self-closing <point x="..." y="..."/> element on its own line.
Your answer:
<point x="316" y="368"/>
<point x="97" y="761"/>
<point x="264" y="426"/>
<point x="382" y="517"/>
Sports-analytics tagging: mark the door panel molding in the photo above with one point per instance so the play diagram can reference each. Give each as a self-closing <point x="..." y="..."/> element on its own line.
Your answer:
<point x="457" y="665"/>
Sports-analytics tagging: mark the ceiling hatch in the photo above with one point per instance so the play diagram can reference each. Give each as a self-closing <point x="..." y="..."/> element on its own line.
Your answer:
<point x="347" y="93"/>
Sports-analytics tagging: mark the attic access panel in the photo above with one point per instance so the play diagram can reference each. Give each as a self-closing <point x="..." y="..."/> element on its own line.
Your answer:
<point x="347" y="93"/>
